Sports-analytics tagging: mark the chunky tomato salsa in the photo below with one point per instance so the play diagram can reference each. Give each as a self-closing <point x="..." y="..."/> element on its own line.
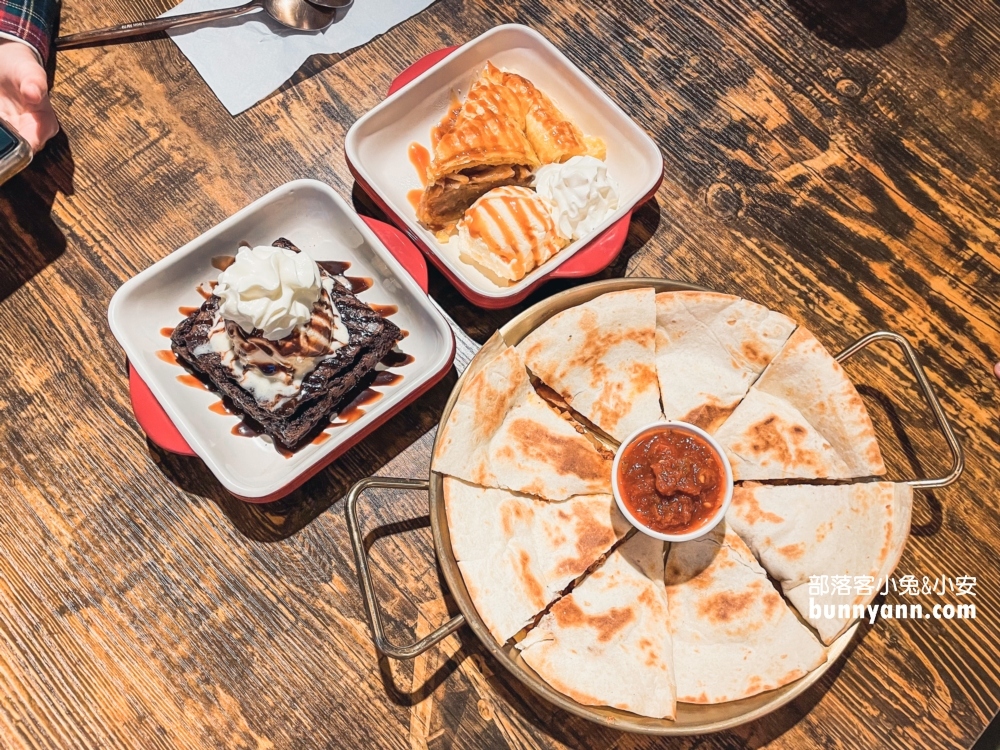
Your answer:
<point x="671" y="481"/>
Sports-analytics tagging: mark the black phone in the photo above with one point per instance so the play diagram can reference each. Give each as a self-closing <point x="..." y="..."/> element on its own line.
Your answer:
<point x="15" y="153"/>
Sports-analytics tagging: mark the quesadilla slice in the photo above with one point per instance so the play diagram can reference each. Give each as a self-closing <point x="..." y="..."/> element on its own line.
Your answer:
<point x="710" y="348"/>
<point x="500" y="433"/>
<point x="733" y="634"/>
<point x="517" y="553"/>
<point x="768" y="438"/>
<point x="600" y="357"/>
<point x="803" y="418"/>
<point x="807" y="376"/>
<point x="605" y="644"/>
<point x="801" y="531"/>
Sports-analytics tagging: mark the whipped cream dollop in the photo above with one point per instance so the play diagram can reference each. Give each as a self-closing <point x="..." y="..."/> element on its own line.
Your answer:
<point x="269" y="289"/>
<point x="579" y="192"/>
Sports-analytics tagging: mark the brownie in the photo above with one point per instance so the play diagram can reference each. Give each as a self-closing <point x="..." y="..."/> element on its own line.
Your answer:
<point x="323" y="390"/>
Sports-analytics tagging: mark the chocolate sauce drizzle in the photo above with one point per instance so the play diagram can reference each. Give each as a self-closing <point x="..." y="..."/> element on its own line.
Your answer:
<point x="353" y="410"/>
<point x="334" y="267"/>
<point x="387" y="378"/>
<point x="396" y="358"/>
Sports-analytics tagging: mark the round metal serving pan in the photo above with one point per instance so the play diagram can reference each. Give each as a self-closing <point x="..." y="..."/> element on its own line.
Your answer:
<point x="691" y="718"/>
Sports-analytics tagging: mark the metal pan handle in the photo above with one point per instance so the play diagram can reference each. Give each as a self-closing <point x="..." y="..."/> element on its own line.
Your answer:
<point x="364" y="575"/>
<point x="958" y="458"/>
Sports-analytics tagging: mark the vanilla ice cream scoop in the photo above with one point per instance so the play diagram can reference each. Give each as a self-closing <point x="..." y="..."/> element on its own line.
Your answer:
<point x="271" y="289"/>
<point x="580" y="193"/>
<point x="508" y="232"/>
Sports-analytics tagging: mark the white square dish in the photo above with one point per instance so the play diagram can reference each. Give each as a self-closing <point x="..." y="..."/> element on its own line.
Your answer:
<point x="377" y="145"/>
<point x="323" y="225"/>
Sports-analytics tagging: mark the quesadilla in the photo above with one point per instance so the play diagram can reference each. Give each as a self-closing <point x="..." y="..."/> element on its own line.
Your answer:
<point x="605" y="644"/>
<point x="803" y="418"/>
<point x="768" y="438"/>
<point x="710" y="348"/>
<point x="600" y="357"/>
<point x="807" y="376"/>
<point x="801" y="531"/>
<point x="500" y="433"/>
<point x="733" y="634"/>
<point x="517" y="553"/>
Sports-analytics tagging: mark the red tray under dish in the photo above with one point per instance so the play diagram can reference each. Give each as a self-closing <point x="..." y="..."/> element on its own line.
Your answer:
<point x="589" y="260"/>
<point x="161" y="430"/>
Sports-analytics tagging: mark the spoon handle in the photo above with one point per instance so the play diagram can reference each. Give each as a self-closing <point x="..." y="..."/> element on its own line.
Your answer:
<point x="141" y="28"/>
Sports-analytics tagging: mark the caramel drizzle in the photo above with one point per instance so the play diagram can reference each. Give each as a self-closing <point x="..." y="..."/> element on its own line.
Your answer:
<point x="489" y="123"/>
<point x="420" y="158"/>
<point x="447" y="122"/>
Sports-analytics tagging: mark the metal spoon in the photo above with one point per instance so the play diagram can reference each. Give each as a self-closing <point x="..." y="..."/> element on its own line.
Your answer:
<point x="295" y="14"/>
<point x="333" y="3"/>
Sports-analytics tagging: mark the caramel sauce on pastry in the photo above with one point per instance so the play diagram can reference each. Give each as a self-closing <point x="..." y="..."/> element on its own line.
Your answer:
<point x="553" y="136"/>
<point x="447" y="122"/>
<point x="476" y="147"/>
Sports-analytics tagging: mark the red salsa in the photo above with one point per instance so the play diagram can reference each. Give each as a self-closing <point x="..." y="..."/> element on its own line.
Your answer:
<point x="671" y="481"/>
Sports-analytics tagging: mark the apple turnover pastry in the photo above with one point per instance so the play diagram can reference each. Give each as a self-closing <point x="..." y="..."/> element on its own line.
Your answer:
<point x="485" y="146"/>
<point x="553" y="136"/>
<point x="504" y="130"/>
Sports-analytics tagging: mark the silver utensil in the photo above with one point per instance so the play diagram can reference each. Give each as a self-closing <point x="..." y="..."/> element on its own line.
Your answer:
<point x="295" y="14"/>
<point x="333" y="3"/>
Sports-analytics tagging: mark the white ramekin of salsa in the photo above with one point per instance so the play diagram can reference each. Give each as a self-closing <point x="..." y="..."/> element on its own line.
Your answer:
<point x="672" y="481"/>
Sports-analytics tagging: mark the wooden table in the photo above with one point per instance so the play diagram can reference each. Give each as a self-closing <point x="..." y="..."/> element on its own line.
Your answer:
<point x="837" y="161"/>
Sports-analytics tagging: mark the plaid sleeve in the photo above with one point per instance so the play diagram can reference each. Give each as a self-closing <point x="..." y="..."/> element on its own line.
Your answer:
<point x="30" y="20"/>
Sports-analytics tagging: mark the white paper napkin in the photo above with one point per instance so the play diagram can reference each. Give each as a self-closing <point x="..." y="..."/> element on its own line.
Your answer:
<point x="245" y="59"/>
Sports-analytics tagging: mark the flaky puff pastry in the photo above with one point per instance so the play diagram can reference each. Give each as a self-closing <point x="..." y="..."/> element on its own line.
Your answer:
<point x="551" y="134"/>
<point x="488" y="131"/>
<point x="482" y="146"/>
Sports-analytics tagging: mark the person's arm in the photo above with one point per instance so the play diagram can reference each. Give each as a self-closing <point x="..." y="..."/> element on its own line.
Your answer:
<point x="25" y="40"/>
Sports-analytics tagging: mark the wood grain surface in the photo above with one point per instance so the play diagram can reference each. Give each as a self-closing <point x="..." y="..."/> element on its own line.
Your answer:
<point x="837" y="161"/>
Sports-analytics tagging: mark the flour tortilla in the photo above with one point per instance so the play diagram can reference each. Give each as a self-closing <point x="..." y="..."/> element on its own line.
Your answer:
<point x="710" y="348"/>
<point x="517" y="553"/>
<point x="803" y="418"/>
<point x="605" y="644"/>
<point x="502" y="434"/>
<point x="806" y="375"/>
<point x="733" y="634"/>
<point x="798" y="531"/>
<point x="600" y="357"/>
<point x="768" y="438"/>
